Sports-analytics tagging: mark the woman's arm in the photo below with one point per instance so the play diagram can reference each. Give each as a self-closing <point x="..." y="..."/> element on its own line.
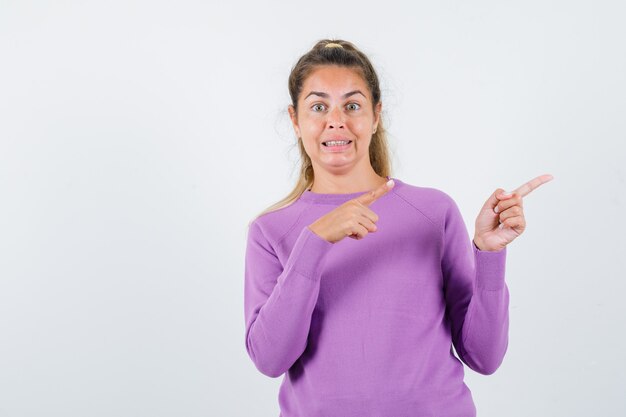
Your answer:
<point x="279" y="302"/>
<point x="477" y="297"/>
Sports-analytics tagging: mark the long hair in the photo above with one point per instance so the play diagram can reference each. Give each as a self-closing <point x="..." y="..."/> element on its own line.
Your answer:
<point x="345" y="54"/>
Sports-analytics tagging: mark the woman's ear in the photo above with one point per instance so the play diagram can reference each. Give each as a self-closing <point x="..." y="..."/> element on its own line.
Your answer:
<point x="377" y="109"/>
<point x="294" y="119"/>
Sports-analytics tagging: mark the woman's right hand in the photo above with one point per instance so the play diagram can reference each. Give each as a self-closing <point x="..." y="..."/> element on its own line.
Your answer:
<point x="353" y="218"/>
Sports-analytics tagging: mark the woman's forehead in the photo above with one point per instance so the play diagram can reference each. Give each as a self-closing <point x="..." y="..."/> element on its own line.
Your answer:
<point x="334" y="80"/>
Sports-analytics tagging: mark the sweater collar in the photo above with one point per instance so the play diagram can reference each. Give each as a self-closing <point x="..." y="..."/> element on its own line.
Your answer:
<point x="325" y="198"/>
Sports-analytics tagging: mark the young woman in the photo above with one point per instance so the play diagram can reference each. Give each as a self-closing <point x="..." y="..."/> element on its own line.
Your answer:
<point x="365" y="326"/>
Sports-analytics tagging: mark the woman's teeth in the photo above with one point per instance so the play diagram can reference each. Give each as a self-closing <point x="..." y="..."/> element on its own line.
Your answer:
<point x="336" y="142"/>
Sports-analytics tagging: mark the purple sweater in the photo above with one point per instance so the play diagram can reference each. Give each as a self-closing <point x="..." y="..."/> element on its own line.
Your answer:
<point x="366" y="327"/>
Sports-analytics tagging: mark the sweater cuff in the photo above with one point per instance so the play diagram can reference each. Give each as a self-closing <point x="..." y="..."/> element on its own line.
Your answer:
<point x="490" y="268"/>
<point x="308" y="254"/>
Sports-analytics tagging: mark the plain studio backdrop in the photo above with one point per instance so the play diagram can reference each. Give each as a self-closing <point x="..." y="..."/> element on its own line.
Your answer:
<point x="139" y="138"/>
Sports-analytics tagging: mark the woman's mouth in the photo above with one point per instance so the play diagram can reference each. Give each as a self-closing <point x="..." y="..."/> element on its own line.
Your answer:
<point x="337" y="145"/>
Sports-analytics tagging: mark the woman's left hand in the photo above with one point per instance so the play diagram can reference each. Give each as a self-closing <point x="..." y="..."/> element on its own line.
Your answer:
<point x="502" y="218"/>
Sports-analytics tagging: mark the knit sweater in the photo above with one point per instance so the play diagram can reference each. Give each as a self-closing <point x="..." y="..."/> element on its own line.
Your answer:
<point x="366" y="327"/>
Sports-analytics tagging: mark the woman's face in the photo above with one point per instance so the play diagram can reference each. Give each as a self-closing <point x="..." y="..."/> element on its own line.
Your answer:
<point x="335" y="104"/>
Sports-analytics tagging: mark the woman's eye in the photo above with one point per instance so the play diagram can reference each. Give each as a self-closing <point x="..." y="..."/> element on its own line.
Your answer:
<point x="319" y="107"/>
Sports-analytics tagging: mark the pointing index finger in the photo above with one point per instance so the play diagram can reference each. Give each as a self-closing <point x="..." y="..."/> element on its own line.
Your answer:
<point x="373" y="195"/>
<point x="525" y="189"/>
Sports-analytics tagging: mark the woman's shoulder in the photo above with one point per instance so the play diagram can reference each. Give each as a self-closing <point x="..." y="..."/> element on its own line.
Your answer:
<point x="275" y="224"/>
<point x="422" y="195"/>
<point x="432" y="202"/>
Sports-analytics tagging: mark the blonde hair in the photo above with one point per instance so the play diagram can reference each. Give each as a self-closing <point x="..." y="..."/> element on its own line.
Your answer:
<point x="345" y="54"/>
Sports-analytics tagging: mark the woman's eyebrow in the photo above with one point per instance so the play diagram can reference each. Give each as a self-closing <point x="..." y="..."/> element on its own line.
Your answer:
<point x="321" y="94"/>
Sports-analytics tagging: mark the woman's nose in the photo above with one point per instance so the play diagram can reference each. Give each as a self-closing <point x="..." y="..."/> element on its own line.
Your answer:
<point x="335" y="118"/>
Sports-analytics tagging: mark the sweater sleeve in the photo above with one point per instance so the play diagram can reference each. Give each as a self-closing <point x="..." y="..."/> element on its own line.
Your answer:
<point x="477" y="297"/>
<point x="279" y="300"/>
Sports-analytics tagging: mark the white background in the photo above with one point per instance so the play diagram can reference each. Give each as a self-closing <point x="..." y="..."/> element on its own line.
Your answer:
<point x="138" y="138"/>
